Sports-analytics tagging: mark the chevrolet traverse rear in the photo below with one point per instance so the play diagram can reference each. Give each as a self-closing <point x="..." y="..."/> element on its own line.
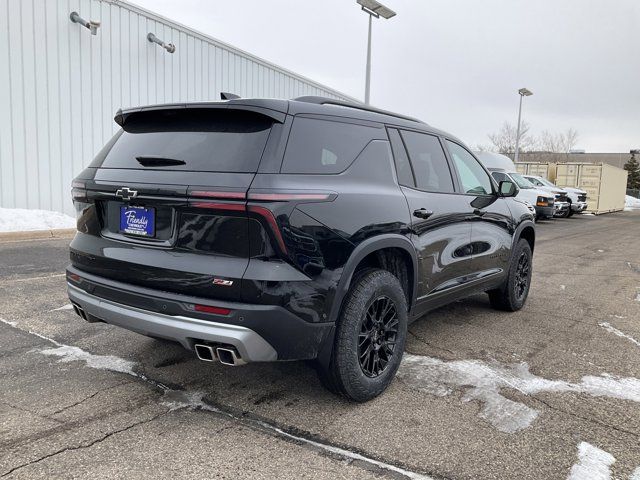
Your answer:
<point x="261" y="230"/>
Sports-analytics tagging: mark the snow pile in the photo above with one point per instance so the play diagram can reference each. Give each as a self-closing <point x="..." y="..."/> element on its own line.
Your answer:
<point x="21" y="219"/>
<point x="631" y="203"/>
<point x="484" y="382"/>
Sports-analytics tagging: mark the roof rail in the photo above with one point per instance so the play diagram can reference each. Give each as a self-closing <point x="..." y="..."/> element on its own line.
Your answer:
<point x="358" y="106"/>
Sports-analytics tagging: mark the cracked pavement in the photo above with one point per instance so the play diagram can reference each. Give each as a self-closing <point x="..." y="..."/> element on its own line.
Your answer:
<point x="67" y="420"/>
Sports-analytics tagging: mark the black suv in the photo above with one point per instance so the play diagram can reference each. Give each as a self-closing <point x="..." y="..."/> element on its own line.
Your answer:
<point x="254" y="230"/>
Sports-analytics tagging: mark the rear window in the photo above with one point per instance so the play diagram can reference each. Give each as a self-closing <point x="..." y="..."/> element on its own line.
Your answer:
<point x="200" y="140"/>
<point x="324" y="146"/>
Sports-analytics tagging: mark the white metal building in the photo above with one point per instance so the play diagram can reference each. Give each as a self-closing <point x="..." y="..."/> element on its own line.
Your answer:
<point x="60" y="85"/>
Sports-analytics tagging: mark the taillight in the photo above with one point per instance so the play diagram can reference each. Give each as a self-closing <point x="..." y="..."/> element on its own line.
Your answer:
<point x="273" y="224"/>
<point x="542" y="202"/>
<point x="78" y="191"/>
<point x="289" y="197"/>
<point x="212" y="309"/>
<point x="206" y="199"/>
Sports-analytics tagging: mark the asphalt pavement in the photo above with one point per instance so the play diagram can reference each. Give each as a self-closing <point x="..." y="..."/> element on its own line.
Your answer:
<point x="547" y="392"/>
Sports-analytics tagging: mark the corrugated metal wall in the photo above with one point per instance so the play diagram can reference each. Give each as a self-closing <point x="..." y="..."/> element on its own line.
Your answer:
<point x="60" y="86"/>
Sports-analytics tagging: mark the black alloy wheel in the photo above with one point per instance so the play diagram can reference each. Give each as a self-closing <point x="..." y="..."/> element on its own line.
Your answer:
<point x="378" y="334"/>
<point x="522" y="278"/>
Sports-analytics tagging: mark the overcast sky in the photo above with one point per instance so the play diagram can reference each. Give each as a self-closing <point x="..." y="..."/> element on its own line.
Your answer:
<point x="457" y="64"/>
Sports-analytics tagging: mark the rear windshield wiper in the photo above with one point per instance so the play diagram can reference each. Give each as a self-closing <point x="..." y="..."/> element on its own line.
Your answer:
<point x="150" y="161"/>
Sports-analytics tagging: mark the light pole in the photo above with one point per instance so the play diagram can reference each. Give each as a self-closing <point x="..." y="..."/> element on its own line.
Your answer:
<point x="523" y="93"/>
<point x="374" y="9"/>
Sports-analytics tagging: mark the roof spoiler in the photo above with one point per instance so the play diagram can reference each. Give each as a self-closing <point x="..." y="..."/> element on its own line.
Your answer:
<point x="122" y="116"/>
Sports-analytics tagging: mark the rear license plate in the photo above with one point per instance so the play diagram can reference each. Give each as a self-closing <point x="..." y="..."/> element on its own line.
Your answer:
<point x="138" y="221"/>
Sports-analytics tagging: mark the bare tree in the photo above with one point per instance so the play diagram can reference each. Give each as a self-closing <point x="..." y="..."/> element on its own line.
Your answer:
<point x="559" y="144"/>
<point x="570" y="140"/>
<point x="504" y="140"/>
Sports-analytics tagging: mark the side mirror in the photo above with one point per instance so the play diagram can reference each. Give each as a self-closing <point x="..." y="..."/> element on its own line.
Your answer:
<point x="507" y="189"/>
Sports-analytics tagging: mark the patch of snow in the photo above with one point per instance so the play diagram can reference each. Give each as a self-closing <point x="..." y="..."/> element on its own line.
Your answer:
<point x="483" y="382"/>
<point x="635" y="475"/>
<point x="600" y="251"/>
<point x="21" y="219"/>
<point x="563" y="287"/>
<point x="609" y="328"/>
<point x="593" y="464"/>
<point x="68" y="353"/>
<point x="631" y="203"/>
<point x="7" y="322"/>
<point x="68" y="306"/>
<point x="618" y="316"/>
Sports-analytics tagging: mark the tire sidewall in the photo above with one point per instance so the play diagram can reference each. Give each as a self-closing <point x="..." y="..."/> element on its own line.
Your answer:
<point x="522" y="247"/>
<point x="370" y="286"/>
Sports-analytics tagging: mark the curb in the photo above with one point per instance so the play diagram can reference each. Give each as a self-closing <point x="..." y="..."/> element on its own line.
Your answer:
<point x="37" y="234"/>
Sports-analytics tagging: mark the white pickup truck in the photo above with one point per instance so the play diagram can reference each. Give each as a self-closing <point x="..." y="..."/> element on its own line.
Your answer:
<point x="501" y="168"/>
<point x="576" y="198"/>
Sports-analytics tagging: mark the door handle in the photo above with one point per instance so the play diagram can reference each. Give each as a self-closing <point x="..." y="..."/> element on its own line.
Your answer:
<point x="422" y="213"/>
<point x="479" y="212"/>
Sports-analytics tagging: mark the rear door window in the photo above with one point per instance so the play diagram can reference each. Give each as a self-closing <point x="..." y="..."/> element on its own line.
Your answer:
<point x="325" y="147"/>
<point x="430" y="165"/>
<point x="213" y="140"/>
<point x="403" y="167"/>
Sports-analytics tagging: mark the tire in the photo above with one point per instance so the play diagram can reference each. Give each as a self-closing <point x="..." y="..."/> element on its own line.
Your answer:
<point x="512" y="294"/>
<point x="571" y="212"/>
<point x="357" y="337"/>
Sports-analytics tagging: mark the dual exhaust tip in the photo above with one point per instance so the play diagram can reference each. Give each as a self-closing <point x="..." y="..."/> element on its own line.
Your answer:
<point x="225" y="355"/>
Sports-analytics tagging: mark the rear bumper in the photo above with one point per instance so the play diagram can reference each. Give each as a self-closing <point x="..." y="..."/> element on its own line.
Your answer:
<point x="259" y="333"/>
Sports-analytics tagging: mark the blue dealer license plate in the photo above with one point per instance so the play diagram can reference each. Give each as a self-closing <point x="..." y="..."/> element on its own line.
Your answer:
<point x="138" y="221"/>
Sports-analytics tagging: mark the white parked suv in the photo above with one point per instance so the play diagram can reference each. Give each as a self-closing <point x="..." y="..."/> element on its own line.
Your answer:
<point x="576" y="198"/>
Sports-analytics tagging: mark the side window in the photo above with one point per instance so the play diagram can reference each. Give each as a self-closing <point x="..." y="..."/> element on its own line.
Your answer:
<point x="535" y="181"/>
<point x="429" y="163"/>
<point x="403" y="167"/>
<point x="325" y="147"/>
<point x="499" y="177"/>
<point x="473" y="177"/>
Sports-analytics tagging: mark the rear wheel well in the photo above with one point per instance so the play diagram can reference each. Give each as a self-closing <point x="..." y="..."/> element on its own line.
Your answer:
<point x="529" y="234"/>
<point x="394" y="260"/>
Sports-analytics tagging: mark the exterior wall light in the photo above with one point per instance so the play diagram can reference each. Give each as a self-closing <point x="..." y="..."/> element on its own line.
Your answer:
<point x="92" y="25"/>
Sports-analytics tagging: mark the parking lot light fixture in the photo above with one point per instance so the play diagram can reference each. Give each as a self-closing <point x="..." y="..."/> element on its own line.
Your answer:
<point x="374" y="9"/>
<point x="523" y="92"/>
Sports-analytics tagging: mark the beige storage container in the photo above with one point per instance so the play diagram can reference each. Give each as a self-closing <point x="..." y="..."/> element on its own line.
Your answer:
<point x="605" y="184"/>
<point x="546" y="170"/>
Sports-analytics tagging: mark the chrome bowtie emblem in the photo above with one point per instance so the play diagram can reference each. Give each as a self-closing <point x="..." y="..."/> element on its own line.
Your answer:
<point x="126" y="194"/>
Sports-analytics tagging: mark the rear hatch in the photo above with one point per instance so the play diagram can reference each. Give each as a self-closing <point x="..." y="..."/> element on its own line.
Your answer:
<point x="164" y="203"/>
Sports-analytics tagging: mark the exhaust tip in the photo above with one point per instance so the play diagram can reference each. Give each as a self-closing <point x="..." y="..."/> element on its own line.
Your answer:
<point x="205" y="353"/>
<point x="228" y="356"/>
